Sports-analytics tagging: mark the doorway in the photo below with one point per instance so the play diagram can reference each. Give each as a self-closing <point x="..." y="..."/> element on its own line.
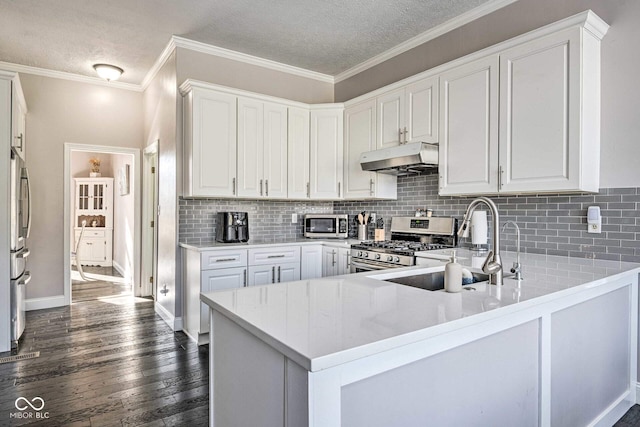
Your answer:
<point x="101" y="222"/>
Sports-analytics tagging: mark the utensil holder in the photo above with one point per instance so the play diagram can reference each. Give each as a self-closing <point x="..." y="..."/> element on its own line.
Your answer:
<point x="362" y="232"/>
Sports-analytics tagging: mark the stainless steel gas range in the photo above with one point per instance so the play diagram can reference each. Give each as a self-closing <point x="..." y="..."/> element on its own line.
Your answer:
<point x="408" y="236"/>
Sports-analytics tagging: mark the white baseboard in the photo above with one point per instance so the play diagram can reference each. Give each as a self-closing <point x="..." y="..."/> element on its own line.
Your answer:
<point x="45" y="302"/>
<point x="119" y="269"/>
<point x="175" y="323"/>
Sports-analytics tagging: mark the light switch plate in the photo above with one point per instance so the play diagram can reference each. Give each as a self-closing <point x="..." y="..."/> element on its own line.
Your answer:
<point x="294" y="218"/>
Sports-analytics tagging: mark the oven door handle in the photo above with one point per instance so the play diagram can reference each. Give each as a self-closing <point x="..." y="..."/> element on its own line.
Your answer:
<point x="367" y="267"/>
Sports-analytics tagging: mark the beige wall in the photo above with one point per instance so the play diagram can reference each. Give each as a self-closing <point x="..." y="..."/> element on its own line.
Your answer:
<point x="124" y="216"/>
<point x="620" y="91"/>
<point x="64" y="111"/>
<point x="160" y="104"/>
<point x="239" y="75"/>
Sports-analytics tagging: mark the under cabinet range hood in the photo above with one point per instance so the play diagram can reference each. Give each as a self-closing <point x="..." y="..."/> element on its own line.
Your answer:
<point x="404" y="159"/>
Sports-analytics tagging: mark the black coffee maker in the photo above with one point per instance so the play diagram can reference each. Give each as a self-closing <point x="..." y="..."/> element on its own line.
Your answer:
<point x="232" y="227"/>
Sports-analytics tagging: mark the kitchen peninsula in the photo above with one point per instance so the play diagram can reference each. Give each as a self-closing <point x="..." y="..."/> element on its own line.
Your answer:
<point x="557" y="348"/>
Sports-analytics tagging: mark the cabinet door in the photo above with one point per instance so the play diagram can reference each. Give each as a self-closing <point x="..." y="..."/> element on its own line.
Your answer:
<point x="275" y="151"/>
<point x="360" y="136"/>
<point x="289" y="272"/>
<point x="92" y="251"/>
<point x="18" y="118"/>
<point x="262" y="275"/>
<point x="540" y="115"/>
<point x="298" y="154"/>
<point x="422" y="111"/>
<point x="326" y="153"/>
<point x="468" y="154"/>
<point x="391" y="122"/>
<point x="250" y="148"/>
<point x="329" y="261"/>
<point x="344" y="260"/>
<point x="216" y="280"/>
<point x="210" y="137"/>
<point x="311" y="262"/>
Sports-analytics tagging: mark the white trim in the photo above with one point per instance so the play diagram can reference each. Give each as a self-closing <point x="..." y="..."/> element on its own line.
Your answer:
<point x="135" y="152"/>
<point x="189" y="84"/>
<point x="119" y="269"/>
<point x="586" y="19"/>
<point x="151" y="74"/>
<point x="68" y="76"/>
<point x="249" y="59"/>
<point x="175" y="323"/>
<point x="637" y="392"/>
<point x="45" y="302"/>
<point x="437" y="31"/>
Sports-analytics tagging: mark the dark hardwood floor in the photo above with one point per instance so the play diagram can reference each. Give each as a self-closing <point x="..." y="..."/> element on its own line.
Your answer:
<point x="109" y="362"/>
<point x="105" y="282"/>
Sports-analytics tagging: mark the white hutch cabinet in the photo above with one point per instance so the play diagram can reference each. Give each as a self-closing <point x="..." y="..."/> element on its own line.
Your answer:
<point x="94" y="204"/>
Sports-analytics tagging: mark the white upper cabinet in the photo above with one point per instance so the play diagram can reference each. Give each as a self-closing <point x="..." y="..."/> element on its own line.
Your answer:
<point x="262" y="149"/>
<point x="209" y="143"/>
<point x="326" y="152"/>
<point x="360" y="136"/>
<point x="543" y="145"/>
<point x="298" y="154"/>
<point x="390" y="119"/>
<point x="408" y="114"/>
<point x="18" y="118"/>
<point x="543" y="133"/>
<point x="468" y="152"/>
<point x="421" y="100"/>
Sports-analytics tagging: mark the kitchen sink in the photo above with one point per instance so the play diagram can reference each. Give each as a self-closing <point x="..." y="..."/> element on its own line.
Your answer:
<point x="432" y="281"/>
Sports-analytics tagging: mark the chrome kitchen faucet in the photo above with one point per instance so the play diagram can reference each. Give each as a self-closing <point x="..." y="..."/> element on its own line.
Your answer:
<point x="493" y="264"/>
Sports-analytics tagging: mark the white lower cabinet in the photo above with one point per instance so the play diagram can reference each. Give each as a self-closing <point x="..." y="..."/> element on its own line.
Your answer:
<point x="274" y="265"/>
<point x="208" y="271"/>
<point x="311" y="262"/>
<point x="336" y="261"/>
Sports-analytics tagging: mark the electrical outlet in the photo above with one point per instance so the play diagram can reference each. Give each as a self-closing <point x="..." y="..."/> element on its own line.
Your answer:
<point x="294" y="218"/>
<point x="373" y="216"/>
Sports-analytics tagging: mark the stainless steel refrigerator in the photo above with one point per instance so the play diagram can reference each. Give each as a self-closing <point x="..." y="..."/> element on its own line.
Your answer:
<point x="20" y="205"/>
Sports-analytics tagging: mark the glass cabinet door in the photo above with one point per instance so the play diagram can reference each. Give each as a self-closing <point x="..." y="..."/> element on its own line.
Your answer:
<point x="83" y="196"/>
<point x="98" y="197"/>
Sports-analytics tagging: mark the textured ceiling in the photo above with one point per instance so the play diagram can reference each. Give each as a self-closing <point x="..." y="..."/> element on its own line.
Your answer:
<point x="327" y="36"/>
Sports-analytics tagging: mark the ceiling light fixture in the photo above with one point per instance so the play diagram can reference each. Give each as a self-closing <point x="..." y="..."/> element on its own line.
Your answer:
<point x="108" y="72"/>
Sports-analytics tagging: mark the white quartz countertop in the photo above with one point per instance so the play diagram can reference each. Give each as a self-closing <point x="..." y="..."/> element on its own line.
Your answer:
<point x="324" y="322"/>
<point x="208" y="246"/>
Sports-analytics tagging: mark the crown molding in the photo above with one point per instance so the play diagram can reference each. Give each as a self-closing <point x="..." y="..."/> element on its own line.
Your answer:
<point x="452" y="24"/>
<point x="68" y="76"/>
<point x="166" y="53"/>
<point x="249" y="59"/>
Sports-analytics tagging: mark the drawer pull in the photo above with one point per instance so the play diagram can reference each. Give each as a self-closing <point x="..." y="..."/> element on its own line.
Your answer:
<point x="225" y="259"/>
<point x="276" y="256"/>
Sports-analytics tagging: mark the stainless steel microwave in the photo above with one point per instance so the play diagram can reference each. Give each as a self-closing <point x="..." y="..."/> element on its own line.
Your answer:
<point x="322" y="226"/>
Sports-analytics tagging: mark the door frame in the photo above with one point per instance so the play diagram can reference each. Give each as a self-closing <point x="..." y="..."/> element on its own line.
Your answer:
<point x="135" y="152"/>
<point x="149" y="256"/>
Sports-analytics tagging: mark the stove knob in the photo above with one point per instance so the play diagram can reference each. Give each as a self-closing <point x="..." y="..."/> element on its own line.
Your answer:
<point x="377" y="256"/>
<point x="396" y="259"/>
<point x="389" y="258"/>
<point x="366" y="254"/>
<point x="360" y="253"/>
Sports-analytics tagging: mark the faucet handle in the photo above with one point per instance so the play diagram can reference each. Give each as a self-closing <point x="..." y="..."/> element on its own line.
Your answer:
<point x="490" y="266"/>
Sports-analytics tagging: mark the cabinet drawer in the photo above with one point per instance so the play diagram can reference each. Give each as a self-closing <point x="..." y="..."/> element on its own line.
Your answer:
<point x="91" y="233"/>
<point x="271" y="256"/>
<point x="223" y="259"/>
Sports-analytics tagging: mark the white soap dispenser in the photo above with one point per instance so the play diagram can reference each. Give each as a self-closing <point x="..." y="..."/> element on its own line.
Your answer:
<point x="453" y="275"/>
